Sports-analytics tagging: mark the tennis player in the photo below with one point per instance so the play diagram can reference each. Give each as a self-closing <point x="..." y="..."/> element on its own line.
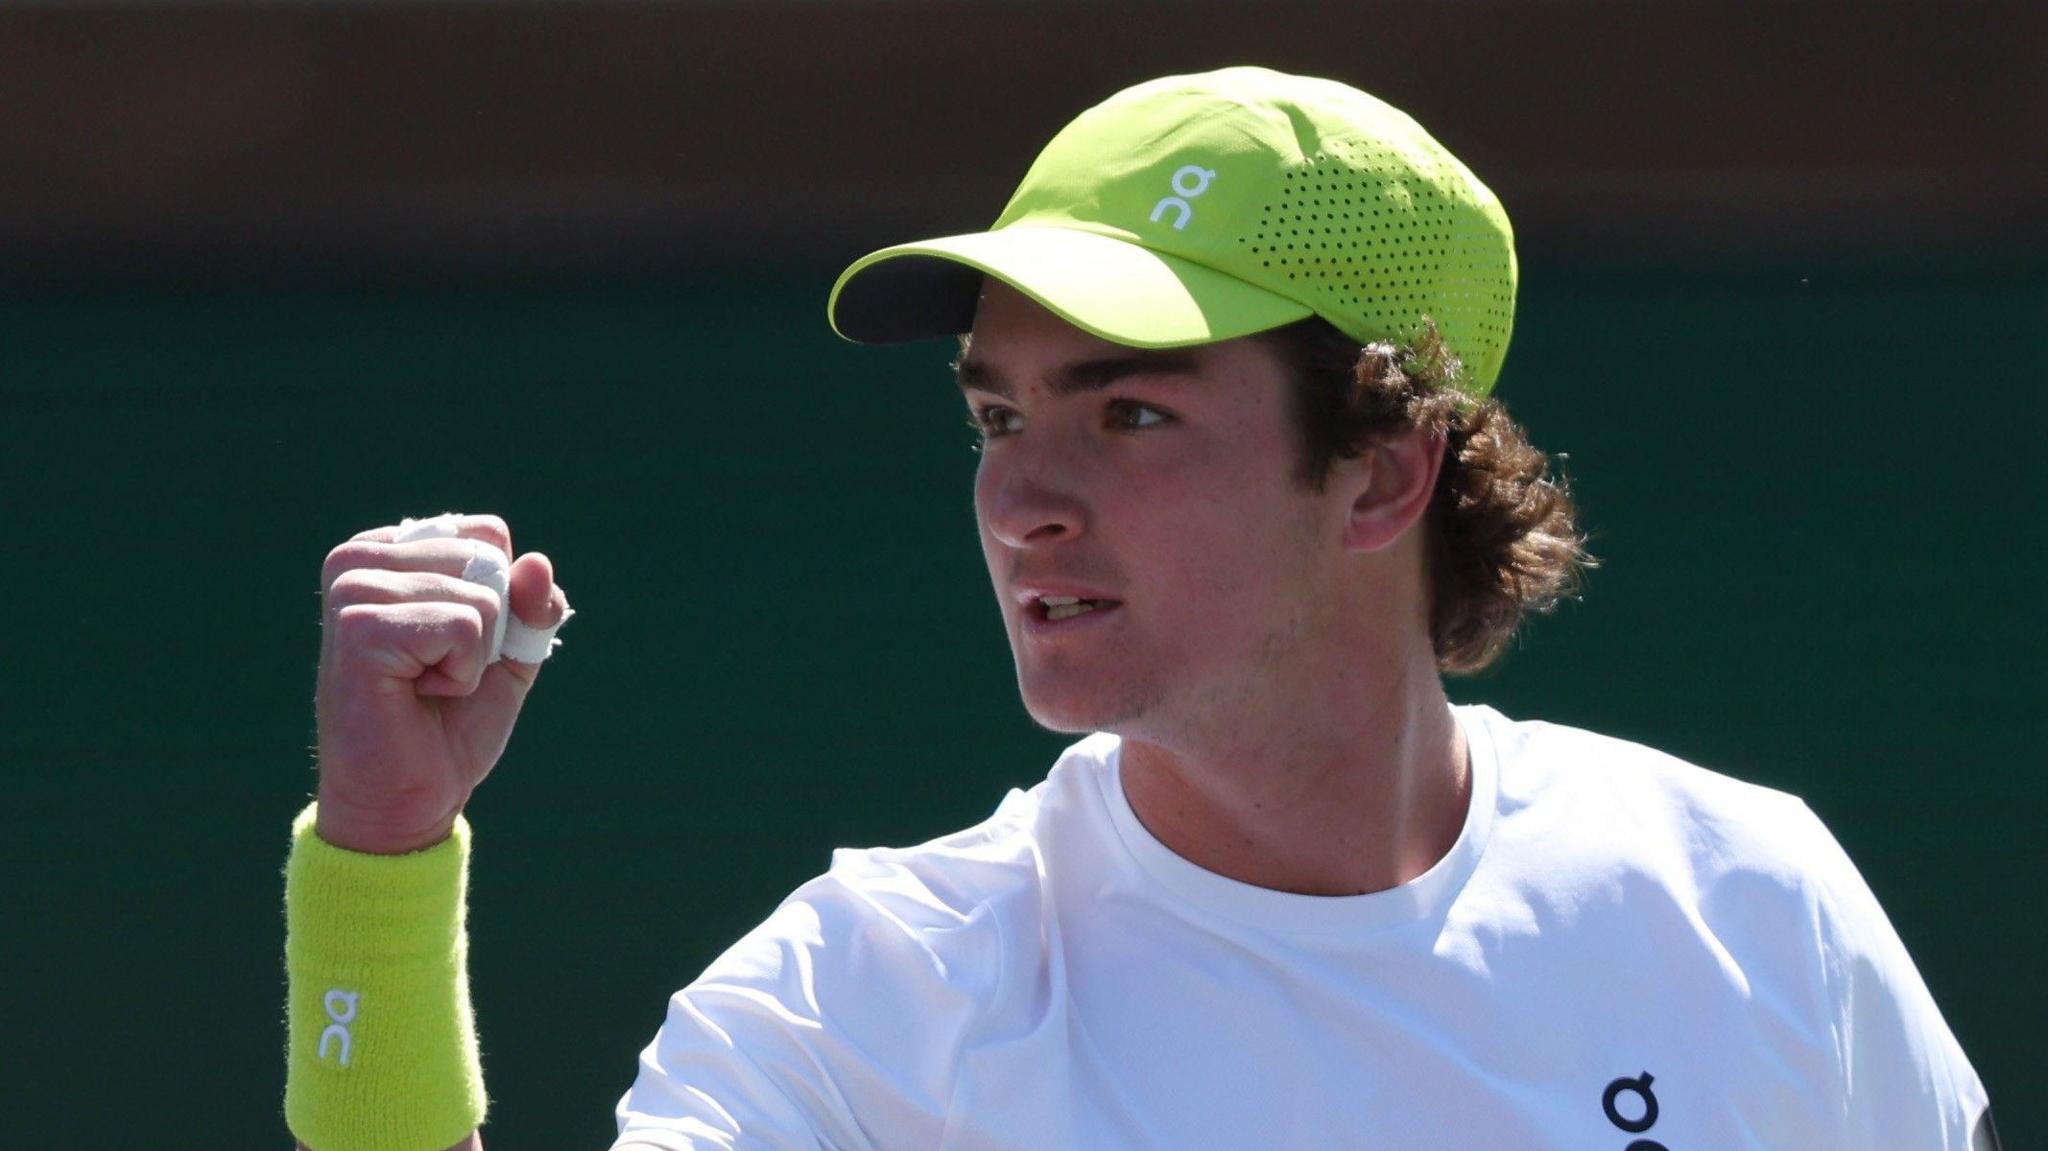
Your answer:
<point x="1245" y="497"/>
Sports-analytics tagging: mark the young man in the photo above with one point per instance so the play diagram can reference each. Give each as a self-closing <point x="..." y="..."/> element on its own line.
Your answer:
<point x="1243" y="499"/>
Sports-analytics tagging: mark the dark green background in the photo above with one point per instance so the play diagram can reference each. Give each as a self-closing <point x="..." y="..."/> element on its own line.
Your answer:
<point x="1815" y="495"/>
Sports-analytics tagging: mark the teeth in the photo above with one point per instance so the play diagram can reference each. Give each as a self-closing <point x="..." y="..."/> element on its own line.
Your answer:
<point x="1060" y="600"/>
<point x="1067" y="610"/>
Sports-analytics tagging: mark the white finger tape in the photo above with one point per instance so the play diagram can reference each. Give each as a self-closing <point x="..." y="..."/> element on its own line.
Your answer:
<point x="491" y="568"/>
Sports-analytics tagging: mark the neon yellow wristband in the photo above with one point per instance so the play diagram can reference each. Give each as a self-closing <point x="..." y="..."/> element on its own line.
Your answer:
<point x="381" y="1046"/>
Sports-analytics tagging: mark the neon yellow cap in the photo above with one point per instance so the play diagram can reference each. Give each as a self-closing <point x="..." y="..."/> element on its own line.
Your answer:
<point x="1199" y="208"/>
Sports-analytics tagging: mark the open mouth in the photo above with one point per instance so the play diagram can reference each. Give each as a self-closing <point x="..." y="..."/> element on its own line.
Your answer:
<point x="1054" y="608"/>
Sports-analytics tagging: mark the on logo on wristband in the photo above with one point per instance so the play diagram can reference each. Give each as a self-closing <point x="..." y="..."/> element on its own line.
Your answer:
<point x="341" y="1008"/>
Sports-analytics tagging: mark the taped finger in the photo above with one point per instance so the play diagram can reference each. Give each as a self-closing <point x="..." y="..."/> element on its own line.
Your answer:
<point x="512" y="637"/>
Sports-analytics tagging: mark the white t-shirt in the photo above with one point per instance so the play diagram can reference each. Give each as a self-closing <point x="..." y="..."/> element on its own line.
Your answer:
<point x="1621" y="951"/>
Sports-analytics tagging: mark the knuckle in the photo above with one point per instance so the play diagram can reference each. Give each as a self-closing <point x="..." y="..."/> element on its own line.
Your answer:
<point x="335" y="563"/>
<point x="493" y="530"/>
<point x="488" y="609"/>
<point x="357" y="623"/>
<point x="355" y="586"/>
<point x="466" y="666"/>
<point x="354" y="553"/>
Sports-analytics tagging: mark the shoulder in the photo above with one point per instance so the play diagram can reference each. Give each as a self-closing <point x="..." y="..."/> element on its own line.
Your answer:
<point x="948" y="895"/>
<point x="1613" y="796"/>
<point x="1753" y="875"/>
<point x="934" y="922"/>
<point x="1740" y="869"/>
<point x="843" y="1013"/>
<point x="993" y="869"/>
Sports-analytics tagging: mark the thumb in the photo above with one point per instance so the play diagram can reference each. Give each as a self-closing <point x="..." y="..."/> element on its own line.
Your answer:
<point x="536" y="602"/>
<point x="486" y="716"/>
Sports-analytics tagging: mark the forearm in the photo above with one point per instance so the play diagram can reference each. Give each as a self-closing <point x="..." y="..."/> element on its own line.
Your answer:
<point x="382" y="1052"/>
<point x="432" y="634"/>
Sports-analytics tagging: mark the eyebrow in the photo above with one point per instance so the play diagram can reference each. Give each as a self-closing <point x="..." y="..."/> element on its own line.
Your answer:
<point x="1082" y="376"/>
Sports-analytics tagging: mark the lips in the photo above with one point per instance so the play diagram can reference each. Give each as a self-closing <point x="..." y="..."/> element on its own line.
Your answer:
<point x="1055" y="605"/>
<point x="1059" y="607"/>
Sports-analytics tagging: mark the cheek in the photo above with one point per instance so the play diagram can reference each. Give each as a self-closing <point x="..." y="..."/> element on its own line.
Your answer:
<point x="1211" y="541"/>
<point x="1238" y="541"/>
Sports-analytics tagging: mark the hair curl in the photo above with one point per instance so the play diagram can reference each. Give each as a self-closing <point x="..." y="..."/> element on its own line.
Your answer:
<point x="1504" y="537"/>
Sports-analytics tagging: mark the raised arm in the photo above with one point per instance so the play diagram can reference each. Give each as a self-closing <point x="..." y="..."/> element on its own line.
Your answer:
<point x="414" y="708"/>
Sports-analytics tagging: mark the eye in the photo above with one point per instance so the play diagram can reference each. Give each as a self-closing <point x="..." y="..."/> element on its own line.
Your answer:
<point x="1131" y="416"/>
<point x="991" y="421"/>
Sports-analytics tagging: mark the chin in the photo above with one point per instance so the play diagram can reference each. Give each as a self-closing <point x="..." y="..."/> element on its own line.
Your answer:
<point x="1071" y="706"/>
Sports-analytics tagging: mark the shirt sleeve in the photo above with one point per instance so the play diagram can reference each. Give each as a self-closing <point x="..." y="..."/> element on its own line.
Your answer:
<point x="1906" y="1082"/>
<point x="832" y="1024"/>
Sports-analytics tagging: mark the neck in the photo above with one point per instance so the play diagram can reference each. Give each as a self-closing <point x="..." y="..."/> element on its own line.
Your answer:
<point x="1364" y="792"/>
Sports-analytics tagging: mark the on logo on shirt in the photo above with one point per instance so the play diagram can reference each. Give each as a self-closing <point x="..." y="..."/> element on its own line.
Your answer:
<point x="1643" y="1106"/>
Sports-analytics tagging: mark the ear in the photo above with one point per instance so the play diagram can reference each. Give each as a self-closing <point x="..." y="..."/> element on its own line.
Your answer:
<point x="1392" y="482"/>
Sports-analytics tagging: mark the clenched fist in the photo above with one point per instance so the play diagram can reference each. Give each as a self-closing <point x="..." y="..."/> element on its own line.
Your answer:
<point x="411" y="716"/>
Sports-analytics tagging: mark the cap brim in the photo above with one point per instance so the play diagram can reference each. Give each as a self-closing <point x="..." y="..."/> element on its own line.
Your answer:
<point x="1108" y="287"/>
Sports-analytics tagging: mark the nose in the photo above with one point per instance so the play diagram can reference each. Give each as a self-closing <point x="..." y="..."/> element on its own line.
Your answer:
<point x="1023" y="505"/>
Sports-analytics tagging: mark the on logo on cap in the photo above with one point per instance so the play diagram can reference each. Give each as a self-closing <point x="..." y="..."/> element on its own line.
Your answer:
<point x="1191" y="180"/>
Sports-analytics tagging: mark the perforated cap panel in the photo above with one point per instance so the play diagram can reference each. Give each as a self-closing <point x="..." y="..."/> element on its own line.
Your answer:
<point x="1365" y="233"/>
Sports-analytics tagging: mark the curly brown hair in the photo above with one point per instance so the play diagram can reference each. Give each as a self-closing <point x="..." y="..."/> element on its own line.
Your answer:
<point x="1504" y="536"/>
